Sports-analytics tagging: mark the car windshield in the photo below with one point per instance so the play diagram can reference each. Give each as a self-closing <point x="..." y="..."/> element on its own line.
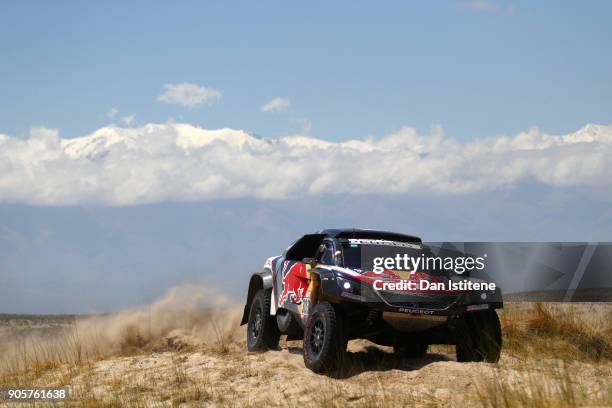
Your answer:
<point x="359" y="254"/>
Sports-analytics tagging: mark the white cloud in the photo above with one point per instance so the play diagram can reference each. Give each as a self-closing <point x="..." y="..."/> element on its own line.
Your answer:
<point x="112" y="112"/>
<point x="180" y="162"/>
<point x="189" y="95"/>
<point x="276" y="104"/>
<point x="128" y="120"/>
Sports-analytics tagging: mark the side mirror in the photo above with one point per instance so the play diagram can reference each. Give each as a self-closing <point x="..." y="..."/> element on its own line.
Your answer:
<point x="310" y="261"/>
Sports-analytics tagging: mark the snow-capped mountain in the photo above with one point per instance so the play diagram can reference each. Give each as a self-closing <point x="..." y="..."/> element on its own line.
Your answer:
<point x="181" y="162"/>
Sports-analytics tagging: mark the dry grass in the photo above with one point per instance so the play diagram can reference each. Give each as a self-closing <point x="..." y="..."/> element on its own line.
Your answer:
<point x="547" y="330"/>
<point x="549" y="341"/>
<point x="545" y="385"/>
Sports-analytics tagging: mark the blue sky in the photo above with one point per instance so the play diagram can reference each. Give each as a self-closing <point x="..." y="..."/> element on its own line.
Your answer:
<point x="350" y="69"/>
<point x="115" y="218"/>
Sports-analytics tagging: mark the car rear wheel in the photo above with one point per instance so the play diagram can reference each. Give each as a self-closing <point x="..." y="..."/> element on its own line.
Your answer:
<point x="479" y="337"/>
<point x="324" y="341"/>
<point x="262" y="331"/>
<point x="410" y="350"/>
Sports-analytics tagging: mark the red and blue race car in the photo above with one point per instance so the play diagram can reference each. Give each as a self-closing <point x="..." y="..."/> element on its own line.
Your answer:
<point x="325" y="290"/>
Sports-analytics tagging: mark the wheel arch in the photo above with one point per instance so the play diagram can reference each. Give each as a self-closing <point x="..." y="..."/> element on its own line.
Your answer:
<point x="326" y="286"/>
<point x="259" y="280"/>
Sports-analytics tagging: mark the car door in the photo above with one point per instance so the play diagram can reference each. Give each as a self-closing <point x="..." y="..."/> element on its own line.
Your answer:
<point x="293" y="276"/>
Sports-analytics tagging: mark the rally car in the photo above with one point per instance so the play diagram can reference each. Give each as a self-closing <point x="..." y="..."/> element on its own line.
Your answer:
<point x="323" y="290"/>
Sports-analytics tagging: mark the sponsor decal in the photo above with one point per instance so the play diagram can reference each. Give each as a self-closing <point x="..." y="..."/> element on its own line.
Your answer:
<point x="416" y="311"/>
<point x="472" y="308"/>
<point x="294" y="283"/>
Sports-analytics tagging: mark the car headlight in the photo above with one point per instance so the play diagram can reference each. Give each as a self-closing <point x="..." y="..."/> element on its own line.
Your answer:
<point x="348" y="284"/>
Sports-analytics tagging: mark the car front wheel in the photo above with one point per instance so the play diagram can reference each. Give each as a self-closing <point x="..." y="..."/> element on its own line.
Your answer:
<point x="324" y="341"/>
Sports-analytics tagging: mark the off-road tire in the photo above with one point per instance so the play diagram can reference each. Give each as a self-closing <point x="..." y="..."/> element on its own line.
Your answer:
<point x="479" y="337"/>
<point x="324" y="339"/>
<point x="262" y="331"/>
<point x="410" y="350"/>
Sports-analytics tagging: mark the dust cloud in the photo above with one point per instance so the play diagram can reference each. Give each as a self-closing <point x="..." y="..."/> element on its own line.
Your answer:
<point x="186" y="317"/>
